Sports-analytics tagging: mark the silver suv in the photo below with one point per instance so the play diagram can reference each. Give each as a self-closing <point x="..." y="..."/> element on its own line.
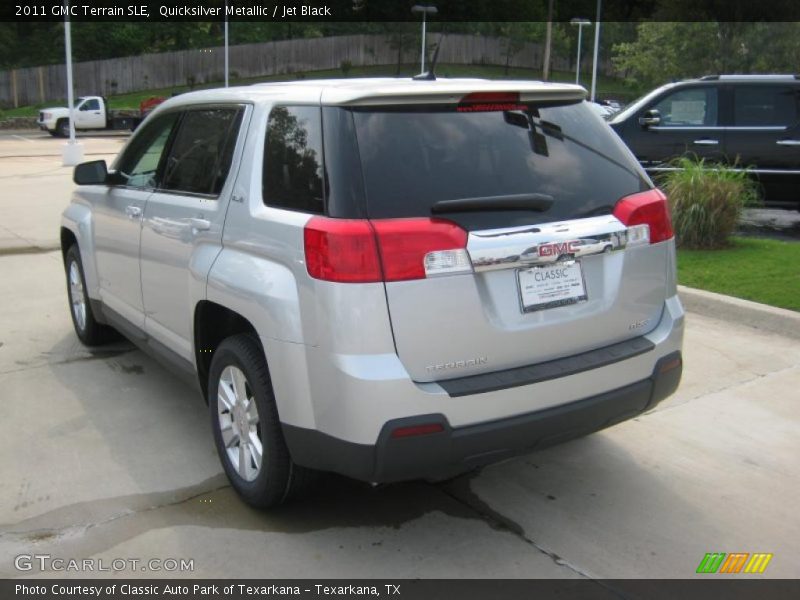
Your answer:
<point x="385" y="278"/>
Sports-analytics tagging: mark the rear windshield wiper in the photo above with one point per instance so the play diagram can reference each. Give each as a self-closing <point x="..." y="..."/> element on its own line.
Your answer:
<point x="537" y="202"/>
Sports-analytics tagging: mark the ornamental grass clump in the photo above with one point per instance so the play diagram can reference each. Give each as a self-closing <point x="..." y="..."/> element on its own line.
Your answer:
<point x="706" y="202"/>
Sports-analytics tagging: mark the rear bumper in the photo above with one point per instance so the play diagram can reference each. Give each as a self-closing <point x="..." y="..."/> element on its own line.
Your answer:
<point x="457" y="449"/>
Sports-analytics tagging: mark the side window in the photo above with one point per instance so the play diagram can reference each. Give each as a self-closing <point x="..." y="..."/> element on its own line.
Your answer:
<point x="200" y="157"/>
<point x="696" y="107"/>
<point x="93" y="104"/>
<point x="293" y="172"/>
<point x="139" y="162"/>
<point x="764" y="106"/>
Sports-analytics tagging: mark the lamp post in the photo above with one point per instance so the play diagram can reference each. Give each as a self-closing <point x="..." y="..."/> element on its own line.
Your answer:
<point x="226" y="43"/>
<point x="596" y="49"/>
<point x="580" y="23"/>
<point x="425" y="10"/>
<point x="72" y="154"/>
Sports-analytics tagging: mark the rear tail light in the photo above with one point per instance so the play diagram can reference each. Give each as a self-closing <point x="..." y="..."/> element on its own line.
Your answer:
<point x="646" y="215"/>
<point x="418" y="248"/>
<point x="341" y="250"/>
<point x="361" y="251"/>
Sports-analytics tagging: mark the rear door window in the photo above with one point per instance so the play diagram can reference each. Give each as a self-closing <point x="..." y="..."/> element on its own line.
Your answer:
<point x="765" y="106"/>
<point x="413" y="157"/>
<point x="293" y="169"/>
<point x="201" y="153"/>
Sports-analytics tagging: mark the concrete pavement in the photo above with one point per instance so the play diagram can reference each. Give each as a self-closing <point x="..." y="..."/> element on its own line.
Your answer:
<point x="104" y="454"/>
<point x="34" y="186"/>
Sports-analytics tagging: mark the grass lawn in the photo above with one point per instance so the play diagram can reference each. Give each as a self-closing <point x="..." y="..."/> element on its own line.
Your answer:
<point x="762" y="270"/>
<point x="606" y="86"/>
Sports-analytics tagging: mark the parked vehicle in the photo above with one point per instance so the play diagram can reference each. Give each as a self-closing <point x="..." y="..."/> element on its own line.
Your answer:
<point x="605" y="111"/>
<point x="385" y="278"/>
<point x="747" y="121"/>
<point x="92" y="113"/>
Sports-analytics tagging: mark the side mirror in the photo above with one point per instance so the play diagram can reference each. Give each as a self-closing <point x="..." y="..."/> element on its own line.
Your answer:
<point x="91" y="173"/>
<point x="650" y="118"/>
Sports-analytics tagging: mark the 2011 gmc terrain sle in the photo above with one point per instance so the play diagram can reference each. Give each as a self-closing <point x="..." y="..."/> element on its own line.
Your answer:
<point x="390" y="279"/>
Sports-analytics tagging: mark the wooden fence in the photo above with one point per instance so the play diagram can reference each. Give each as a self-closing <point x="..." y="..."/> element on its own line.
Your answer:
<point x="21" y="87"/>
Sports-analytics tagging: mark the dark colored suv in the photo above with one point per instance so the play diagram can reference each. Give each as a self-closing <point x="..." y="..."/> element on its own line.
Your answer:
<point x="749" y="121"/>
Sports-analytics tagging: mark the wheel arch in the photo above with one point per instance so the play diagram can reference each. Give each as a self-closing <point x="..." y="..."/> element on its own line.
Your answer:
<point x="76" y="228"/>
<point x="213" y="323"/>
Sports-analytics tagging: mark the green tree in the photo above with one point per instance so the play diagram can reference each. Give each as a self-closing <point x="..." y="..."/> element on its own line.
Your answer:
<point x="665" y="51"/>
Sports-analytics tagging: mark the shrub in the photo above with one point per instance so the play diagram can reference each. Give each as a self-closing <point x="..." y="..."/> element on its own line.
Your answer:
<point x="706" y="201"/>
<point x="345" y="66"/>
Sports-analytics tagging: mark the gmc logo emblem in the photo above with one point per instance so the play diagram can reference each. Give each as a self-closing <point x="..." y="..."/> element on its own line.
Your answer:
<point x="559" y="248"/>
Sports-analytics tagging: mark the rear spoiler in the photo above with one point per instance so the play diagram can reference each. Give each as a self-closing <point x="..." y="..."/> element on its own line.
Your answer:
<point x="444" y="92"/>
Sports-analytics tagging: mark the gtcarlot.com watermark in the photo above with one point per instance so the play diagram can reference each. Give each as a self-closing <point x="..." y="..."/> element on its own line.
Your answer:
<point x="47" y="562"/>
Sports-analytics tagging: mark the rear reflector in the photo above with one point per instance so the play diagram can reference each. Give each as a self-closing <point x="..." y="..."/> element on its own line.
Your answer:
<point x="670" y="365"/>
<point x="427" y="429"/>
<point x="646" y="215"/>
<point x="361" y="251"/>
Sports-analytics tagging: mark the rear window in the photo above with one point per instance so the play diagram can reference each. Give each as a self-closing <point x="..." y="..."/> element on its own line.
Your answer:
<point x="413" y="157"/>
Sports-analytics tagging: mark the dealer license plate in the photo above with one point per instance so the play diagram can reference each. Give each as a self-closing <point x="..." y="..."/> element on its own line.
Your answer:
<point x="548" y="286"/>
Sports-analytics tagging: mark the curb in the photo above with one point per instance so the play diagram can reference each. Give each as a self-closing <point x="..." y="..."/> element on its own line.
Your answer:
<point x="753" y="314"/>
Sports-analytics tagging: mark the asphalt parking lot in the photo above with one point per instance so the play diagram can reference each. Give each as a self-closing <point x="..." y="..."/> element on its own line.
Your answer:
<point x="105" y="454"/>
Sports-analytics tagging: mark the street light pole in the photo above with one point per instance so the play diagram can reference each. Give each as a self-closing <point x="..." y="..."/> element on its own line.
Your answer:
<point x="72" y="153"/>
<point x="422" y="51"/>
<point x="425" y="10"/>
<point x="580" y="23"/>
<point x="596" y="50"/>
<point x="226" y="43"/>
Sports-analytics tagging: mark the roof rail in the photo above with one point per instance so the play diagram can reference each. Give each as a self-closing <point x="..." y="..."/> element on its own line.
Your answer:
<point x="709" y="77"/>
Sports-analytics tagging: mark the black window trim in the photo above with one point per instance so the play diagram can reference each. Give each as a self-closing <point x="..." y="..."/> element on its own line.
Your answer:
<point x="240" y="106"/>
<point x="182" y="110"/>
<point x="725" y="100"/>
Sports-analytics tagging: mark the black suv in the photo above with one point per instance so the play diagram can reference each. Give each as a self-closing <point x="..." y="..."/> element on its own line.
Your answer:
<point x="750" y="121"/>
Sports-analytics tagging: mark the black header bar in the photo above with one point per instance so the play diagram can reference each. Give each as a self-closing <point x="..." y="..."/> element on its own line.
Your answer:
<point x="397" y="10"/>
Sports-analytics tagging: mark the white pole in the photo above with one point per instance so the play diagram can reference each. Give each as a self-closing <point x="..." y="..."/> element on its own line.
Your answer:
<point x="596" y="50"/>
<point x="578" y="65"/>
<point x="70" y="93"/>
<point x="226" y="43"/>
<point x="73" y="152"/>
<point x="422" y="68"/>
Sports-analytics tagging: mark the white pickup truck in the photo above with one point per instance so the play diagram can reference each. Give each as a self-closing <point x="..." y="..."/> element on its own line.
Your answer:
<point x="91" y="113"/>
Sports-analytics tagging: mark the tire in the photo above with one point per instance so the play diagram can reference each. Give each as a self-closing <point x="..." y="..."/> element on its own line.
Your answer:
<point x="240" y="398"/>
<point x="54" y="132"/>
<point x="62" y="128"/>
<point x="88" y="330"/>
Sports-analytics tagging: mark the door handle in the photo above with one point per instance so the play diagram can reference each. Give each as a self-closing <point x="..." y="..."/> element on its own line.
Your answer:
<point x="706" y="142"/>
<point x="133" y="212"/>
<point x="788" y="142"/>
<point x="199" y="224"/>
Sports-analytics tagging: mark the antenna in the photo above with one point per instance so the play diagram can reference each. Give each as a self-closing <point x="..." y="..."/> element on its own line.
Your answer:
<point x="429" y="75"/>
